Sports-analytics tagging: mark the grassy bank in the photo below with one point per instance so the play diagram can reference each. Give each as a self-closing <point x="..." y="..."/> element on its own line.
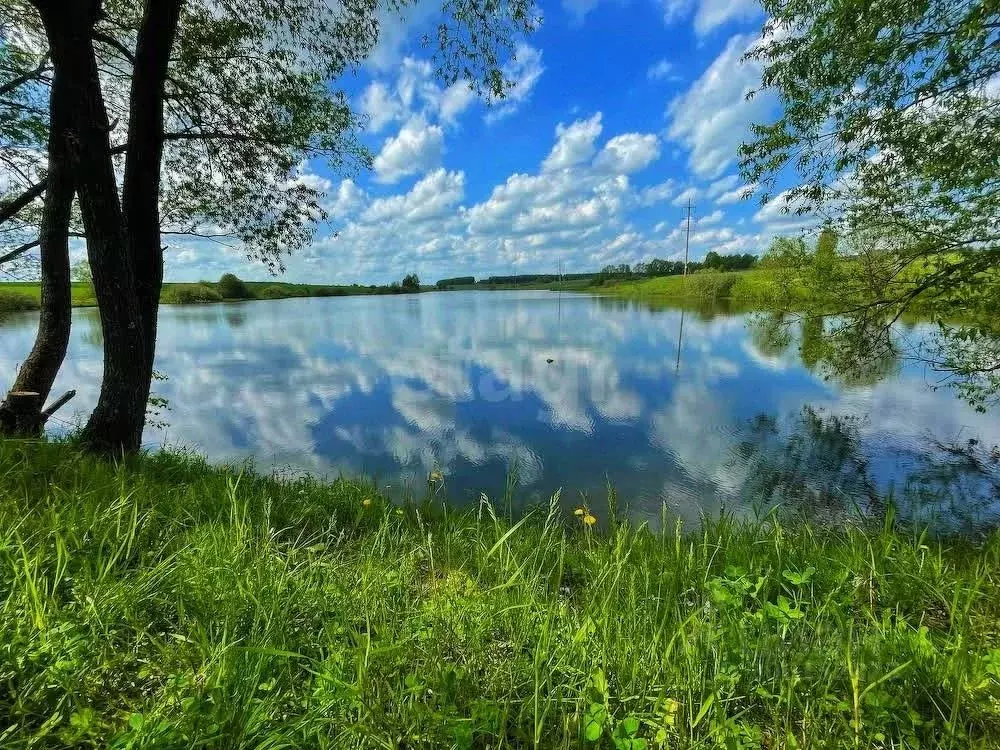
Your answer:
<point x="18" y="296"/>
<point x="754" y="287"/>
<point x="169" y="604"/>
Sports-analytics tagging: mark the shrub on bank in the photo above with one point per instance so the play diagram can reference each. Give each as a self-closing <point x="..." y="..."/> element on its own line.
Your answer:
<point x="231" y="286"/>
<point x="331" y="291"/>
<point x="190" y="294"/>
<point x="160" y="602"/>
<point x="272" y="292"/>
<point x="711" y="284"/>
<point x="16" y="302"/>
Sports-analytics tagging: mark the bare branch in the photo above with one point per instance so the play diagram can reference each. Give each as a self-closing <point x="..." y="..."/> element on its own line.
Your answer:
<point x="17" y="252"/>
<point x="24" y="78"/>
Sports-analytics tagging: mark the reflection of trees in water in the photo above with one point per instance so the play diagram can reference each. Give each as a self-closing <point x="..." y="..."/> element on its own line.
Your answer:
<point x="236" y="316"/>
<point x="850" y="353"/>
<point x="92" y="336"/>
<point x="857" y="352"/>
<point x="207" y="314"/>
<point x="968" y="360"/>
<point x="817" y="465"/>
<point x="956" y="484"/>
<point x="770" y="333"/>
<point x="704" y="310"/>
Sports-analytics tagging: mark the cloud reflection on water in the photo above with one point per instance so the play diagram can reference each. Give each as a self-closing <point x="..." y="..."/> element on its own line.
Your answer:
<point x="461" y="382"/>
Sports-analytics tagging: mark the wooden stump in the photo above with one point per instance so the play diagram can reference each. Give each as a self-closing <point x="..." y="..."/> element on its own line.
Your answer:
<point x="21" y="413"/>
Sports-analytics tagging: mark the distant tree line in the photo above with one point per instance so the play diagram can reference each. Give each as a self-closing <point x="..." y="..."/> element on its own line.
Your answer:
<point x="713" y="262"/>
<point x="533" y="278"/>
<point x="231" y="287"/>
<point x="515" y="279"/>
<point x="456" y="281"/>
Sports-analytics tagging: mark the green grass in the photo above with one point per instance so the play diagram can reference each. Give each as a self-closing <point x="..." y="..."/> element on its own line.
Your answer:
<point x="83" y="294"/>
<point x="756" y="286"/>
<point x="167" y="604"/>
<point x="15" y="301"/>
<point x="183" y="293"/>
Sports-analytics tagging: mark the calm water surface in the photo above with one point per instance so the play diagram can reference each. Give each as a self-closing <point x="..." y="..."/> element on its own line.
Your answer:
<point x="547" y="391"/>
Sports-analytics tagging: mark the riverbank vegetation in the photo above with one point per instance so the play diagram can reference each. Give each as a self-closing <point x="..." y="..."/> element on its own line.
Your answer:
<point x="162" y="603"/>
<point x="16" y="296"/>
<point x="608" y="275"/>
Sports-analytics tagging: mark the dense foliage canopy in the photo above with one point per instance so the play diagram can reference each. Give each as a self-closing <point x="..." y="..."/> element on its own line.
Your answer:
<point x="889" y="128"/>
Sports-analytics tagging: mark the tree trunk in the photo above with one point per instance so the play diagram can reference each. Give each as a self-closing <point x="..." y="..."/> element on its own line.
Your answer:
<point x="117" y="421"/>
<point x="39" y="370"/>
<point x="20" y="416"/>
<point x="141" y="187"/>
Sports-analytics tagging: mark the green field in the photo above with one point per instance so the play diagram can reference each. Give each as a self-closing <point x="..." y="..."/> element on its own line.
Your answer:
<point x="753" y="286"/>
<point x="83" y="294"/>
<point x="163" y="603"/>
<point x="15" y="296"/>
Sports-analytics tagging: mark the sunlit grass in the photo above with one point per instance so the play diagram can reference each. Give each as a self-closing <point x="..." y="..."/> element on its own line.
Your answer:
<point x="166" y="604"/>
<point x="16" y="301"/>
<point x="82" y="293"/>
<point x="182" y="293"/>
<point x="754" y="286"/>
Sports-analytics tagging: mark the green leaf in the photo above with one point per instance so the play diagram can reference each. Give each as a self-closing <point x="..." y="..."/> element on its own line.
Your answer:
<point x="629" y="725"/>
<point x="594" y="720"/>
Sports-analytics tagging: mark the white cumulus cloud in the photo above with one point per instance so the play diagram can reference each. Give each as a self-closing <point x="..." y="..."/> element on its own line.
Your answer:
<point x="417" y="148"/>
<point x="628" y="153"/>
<point x="713" y="116"/>
<point x="574" y="143"/>
<point x="379" y="105"/>
<point x="429" y="198"/>
<point x="455" y="100"/>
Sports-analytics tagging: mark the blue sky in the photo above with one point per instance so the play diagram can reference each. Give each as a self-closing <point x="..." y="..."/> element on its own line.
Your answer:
<point x="622" y="111"/>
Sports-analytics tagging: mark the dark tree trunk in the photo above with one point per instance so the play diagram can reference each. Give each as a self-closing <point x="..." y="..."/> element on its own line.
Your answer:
<point x="20" y="416"/>
<point x="117" y="421"/>
<point x="39" y="370"/>
<point x="141" y="188"/>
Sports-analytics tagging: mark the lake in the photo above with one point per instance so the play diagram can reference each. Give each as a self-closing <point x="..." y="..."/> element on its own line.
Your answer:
<point x="533" y="391"/>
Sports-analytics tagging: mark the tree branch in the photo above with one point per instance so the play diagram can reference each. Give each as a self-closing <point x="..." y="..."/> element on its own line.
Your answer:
<point x="100" y="36"/>
<point x="24" y="78"/>
<point x="11" y="208"/>
<point x="18" y="252"/>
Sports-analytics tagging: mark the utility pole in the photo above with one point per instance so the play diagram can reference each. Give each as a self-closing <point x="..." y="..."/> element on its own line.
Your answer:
<point x="687" y="241"/>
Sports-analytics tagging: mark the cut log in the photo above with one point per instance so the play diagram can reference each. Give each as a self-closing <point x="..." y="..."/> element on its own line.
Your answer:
<point x="21" y="413"/>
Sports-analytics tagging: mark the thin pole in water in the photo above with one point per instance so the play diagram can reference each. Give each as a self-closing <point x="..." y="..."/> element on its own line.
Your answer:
<point x="687" y="241"/>
<point x="680" y="342"/>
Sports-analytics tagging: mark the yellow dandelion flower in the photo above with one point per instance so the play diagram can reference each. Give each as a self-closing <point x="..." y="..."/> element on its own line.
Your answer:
<point x="580" y="512"/>
<point x="366" y="502"/>
<point x="589" y="520"/>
